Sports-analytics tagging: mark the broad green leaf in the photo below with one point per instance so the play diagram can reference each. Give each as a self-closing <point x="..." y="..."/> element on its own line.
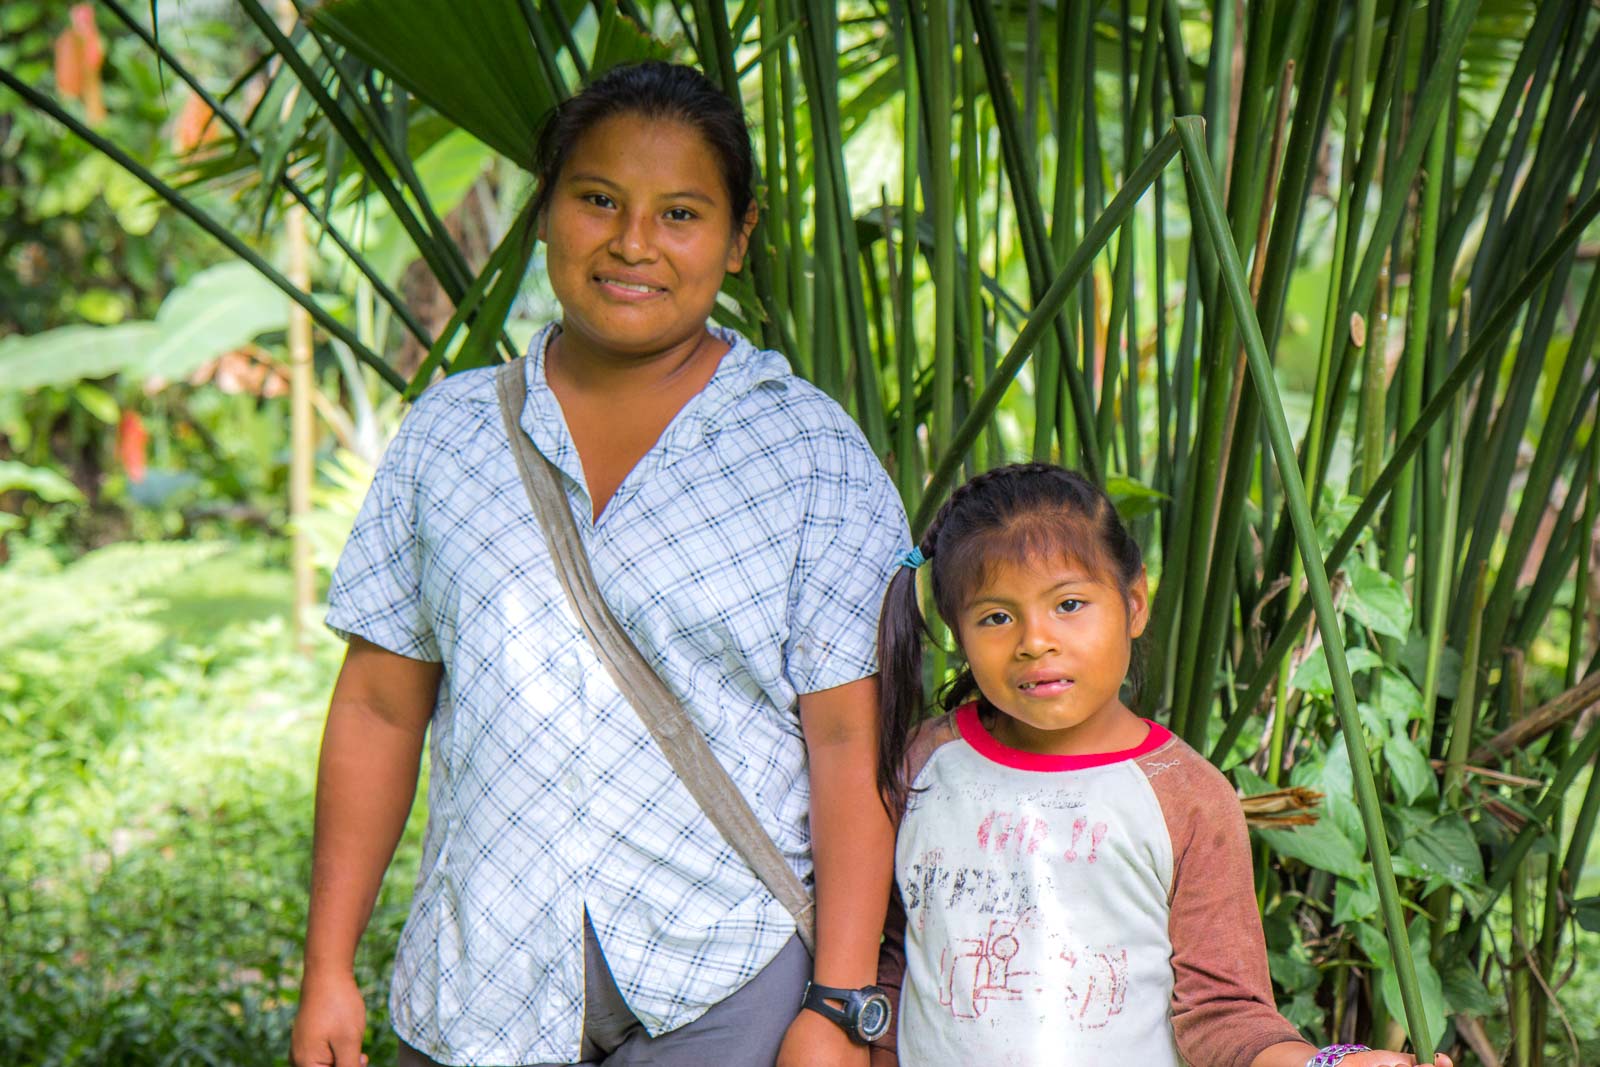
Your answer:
<point x="1292" y="974"/>
<point x="1428" y="983"/>
<point x="1331" y="775"/>
<point x="1376" y="600"/>
<point x="1400" y="700"/>
<point x="1442" y="845"/>
<point x="473" y="61"/>
<point x="1587" y="912"/>
<point x="42" y="482"/>
<point x="620" y="40"/>
<point x="1312" y="675"/>
<point x="97" y="402"/>
<point x="1320" y="845"/>
<point x="1354" y="900"/>
<point x="1409" y="768"/>
<point x="69" y="354"/>
<point x="216" y="311"/>
<point x="1431" y="987"/>
<point x="1465" y="992"/>
<point x="1133" y="499"/>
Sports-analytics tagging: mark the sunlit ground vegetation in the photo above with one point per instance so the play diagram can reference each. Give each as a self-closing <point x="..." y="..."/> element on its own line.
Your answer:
<point x="158" y="742"/>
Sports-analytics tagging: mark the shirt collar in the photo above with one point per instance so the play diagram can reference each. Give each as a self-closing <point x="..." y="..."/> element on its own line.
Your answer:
<point x="743" y="369"/>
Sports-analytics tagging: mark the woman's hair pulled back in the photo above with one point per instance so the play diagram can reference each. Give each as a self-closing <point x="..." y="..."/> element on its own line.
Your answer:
<point x="1012" y="514"/>
<point x="652" y="90"/>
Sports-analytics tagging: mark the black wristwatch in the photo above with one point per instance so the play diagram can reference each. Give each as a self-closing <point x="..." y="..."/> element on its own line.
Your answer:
<point x="865" y="1015"/>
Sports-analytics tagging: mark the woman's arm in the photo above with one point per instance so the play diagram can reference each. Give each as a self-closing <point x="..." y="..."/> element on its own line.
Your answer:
<point x="852" y="847"/>
<point x="366" y="782"/>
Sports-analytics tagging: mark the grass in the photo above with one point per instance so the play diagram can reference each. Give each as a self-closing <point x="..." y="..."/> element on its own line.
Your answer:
<point x="155" y="809"/>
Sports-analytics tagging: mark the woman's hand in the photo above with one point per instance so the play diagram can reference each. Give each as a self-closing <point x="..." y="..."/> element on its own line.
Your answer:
<point x="813" y="1041"/>
<point x="330" y="1023"/>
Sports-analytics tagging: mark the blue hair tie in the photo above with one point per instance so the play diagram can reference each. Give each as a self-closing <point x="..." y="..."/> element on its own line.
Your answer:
<point x="913" y="559"/>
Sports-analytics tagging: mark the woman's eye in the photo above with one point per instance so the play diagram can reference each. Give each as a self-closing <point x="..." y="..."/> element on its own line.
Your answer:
<point x="599" y="200"/>
<point x="680" y="214"/>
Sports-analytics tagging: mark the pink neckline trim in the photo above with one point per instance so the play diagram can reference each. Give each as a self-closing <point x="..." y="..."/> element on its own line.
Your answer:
<point x="973" y="733"/>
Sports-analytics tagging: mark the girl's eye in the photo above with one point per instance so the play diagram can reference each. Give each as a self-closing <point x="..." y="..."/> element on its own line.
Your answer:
<point x="599" y="200"/>
<point x="680" y="214"/>
<point x="1071" y="605"/>
<point x="994" y="618"/>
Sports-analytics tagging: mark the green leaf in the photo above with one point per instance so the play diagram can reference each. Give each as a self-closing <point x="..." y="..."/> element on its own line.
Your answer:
<point x="1376" y="600"/>
<point x="1410" y="769"/>
<point x="1312" y="675"/>
<point x="1292" y="974"/>
<point x="42" y="482"/>
<point x="1131" y="498"/>
<point x="473" y="61"/>
<point x="1400" y="700"/>
<point x="1354" y="900"/>
<point x="1587" y="912"/>
<point x="1428" y="983"/>
<point x="1465" y="992"/>
<point x="620" y="40"/>
<point x="69" y="354"/>
<point x="1442" y="845"/>
<point x="97" y="402"/>
<point x="1320" y="845"/>
<point x="215" y="312"/>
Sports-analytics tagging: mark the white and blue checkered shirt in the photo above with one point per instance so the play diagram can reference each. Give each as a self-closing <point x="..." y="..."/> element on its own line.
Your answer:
<point x="746" y="555"/>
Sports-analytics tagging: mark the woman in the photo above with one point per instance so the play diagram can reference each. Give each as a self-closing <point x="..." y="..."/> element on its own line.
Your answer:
<point x="574" y="904"/>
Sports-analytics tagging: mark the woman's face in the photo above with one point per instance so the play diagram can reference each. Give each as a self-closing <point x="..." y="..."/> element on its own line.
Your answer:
<point x="639" y="232"/>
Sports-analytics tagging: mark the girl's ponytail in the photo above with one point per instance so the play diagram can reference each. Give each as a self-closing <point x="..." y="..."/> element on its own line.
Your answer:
<point x="900" y="632"/>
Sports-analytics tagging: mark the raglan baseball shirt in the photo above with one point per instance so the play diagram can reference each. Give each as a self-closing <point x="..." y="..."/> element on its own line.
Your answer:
<point x="1068" y="911"/>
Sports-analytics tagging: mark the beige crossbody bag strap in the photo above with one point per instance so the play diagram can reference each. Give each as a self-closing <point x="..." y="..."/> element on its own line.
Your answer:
<point x="680" y="740"/>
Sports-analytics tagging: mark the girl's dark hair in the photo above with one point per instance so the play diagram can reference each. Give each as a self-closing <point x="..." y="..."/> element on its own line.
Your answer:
<point x="1010" y="514"/>
<point x="652" y="90"/>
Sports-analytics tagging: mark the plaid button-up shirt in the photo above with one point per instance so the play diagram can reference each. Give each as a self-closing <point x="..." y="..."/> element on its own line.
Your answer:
<point x="746" y="555"/>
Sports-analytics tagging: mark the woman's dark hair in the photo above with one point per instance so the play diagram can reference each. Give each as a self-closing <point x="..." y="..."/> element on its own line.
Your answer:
<point x="652" y="90"/>
<point x="1010" y="514"/>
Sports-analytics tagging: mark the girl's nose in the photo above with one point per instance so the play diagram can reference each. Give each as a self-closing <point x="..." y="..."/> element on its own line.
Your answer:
<point x="1038" y="638"/>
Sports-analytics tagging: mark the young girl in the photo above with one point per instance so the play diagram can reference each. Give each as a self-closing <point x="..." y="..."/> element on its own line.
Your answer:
<point x="1074" y="883"/>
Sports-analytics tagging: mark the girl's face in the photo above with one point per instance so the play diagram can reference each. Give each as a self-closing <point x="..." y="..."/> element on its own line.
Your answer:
<point x="1049" y="645"/>
<point x="639" y="232"/>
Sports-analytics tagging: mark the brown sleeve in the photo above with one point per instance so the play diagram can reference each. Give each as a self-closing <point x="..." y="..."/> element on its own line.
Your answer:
<point x="892" y="951"/>
<point x="891" y="975"/>
<point x="1223" y="1011"/>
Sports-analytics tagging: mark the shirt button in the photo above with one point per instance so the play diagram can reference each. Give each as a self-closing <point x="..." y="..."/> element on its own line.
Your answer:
<point x="570" y="783"/>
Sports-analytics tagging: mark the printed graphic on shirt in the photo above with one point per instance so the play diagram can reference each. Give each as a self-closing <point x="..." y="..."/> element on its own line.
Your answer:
<point x="1036" y="911"/>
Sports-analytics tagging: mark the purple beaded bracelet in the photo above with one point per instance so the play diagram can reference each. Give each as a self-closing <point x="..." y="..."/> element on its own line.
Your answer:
<point x="1334" y="1055"/>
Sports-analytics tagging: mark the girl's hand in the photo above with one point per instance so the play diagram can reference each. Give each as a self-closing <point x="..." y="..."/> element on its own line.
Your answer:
<point x="1381" y="1058"/>
<point x="330" y="1023"/>
<point x="813" y="1041"/>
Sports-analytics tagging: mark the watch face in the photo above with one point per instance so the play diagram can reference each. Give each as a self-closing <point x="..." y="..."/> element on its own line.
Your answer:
<point x="873" y="1022"/>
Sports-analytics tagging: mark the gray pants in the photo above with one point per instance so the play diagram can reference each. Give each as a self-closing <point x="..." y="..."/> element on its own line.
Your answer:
<point x="743" y="1030"/>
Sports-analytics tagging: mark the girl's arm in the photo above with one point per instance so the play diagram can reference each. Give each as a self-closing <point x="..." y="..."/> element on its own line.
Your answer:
<point x="853" y="852"/>
<point x="366" y="781"/>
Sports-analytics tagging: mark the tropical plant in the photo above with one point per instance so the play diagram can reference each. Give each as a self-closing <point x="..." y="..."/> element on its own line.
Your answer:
<point x="1342" y="370"/>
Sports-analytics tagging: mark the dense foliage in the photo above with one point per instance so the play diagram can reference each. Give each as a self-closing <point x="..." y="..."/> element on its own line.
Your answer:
<point x="1333" y="350"/>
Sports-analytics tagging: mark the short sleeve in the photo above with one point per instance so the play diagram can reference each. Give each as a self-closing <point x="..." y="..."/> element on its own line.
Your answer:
<point x="853" y="531"/>
<point x="376" y="592"/>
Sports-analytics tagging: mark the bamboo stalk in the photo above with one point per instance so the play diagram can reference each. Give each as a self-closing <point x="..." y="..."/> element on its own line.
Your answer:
<point x="1207" y="200"/>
